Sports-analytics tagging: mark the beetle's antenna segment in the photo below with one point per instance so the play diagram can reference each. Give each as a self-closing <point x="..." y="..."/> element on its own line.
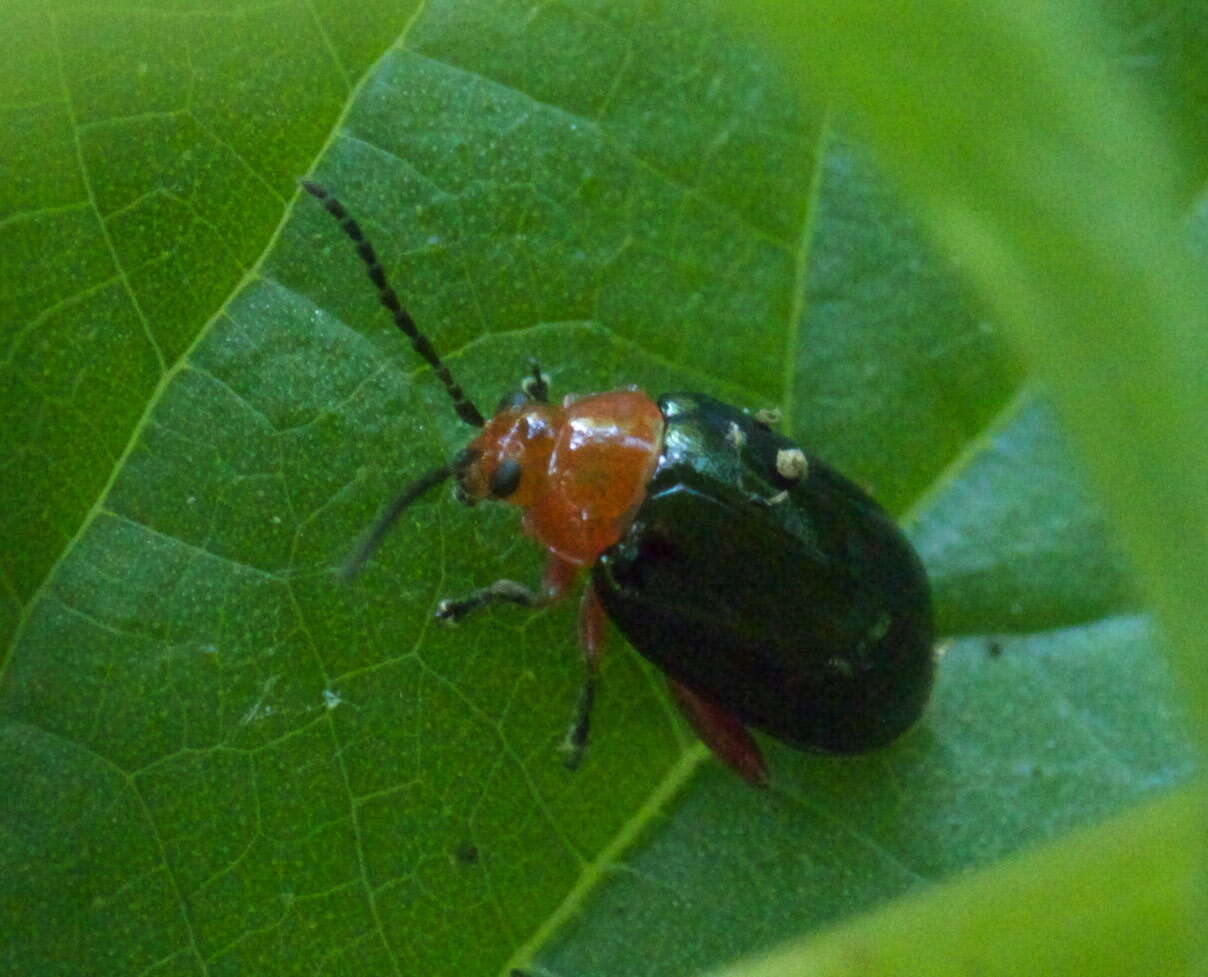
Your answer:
<point x="536" y="386"/>
<point x="389" y="298"/>
<point x="373" y="539"/>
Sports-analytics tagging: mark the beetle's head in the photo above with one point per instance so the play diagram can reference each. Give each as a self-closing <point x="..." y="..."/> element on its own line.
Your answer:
<point x="509" y="460"/>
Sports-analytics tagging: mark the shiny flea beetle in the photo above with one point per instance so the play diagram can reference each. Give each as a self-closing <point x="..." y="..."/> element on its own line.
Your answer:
<point x="773" y="592"/>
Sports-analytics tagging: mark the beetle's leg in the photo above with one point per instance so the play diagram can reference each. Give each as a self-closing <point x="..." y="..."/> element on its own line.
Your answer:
<point x="509" y="590"/>
<point x="591" y="642"/>
<point x="537" y="385"/>
<point x="558" y="576"/>
<point x="722" y="733"/>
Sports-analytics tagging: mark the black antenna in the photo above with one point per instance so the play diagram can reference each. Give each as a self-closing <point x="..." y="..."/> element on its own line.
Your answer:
<point x="389" y="298"/>
<point x="373" y="539"/>
<point x="389" y="516"/>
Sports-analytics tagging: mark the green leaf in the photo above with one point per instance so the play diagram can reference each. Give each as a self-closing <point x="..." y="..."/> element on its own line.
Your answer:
<point x="219" y="758"/>
<point x="1126" y="888"/>
<point x="147" y="155"/>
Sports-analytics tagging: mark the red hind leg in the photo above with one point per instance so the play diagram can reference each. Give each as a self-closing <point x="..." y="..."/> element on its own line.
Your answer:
<point x="722" y="733"/>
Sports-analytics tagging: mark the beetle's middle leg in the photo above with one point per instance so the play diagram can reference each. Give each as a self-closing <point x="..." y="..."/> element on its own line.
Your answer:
<point x="592" y="625"/>
<point x="555" y="581"/>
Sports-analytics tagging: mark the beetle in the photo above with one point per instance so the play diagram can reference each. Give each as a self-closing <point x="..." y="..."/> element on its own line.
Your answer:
<point x="772" y="591"/>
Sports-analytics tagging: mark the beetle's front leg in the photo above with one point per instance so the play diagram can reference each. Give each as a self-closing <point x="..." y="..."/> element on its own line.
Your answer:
<point x="517" y="593"/>
<point x="558" y="577"/>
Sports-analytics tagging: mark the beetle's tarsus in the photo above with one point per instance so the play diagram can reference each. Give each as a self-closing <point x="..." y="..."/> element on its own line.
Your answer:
<point x="452" y="611"/>
<point x="575" y="744"/>
<point x="574" y="753"/>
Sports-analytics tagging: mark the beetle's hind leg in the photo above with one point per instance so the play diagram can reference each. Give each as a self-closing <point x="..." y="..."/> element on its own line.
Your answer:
<point x="723" y="733"/>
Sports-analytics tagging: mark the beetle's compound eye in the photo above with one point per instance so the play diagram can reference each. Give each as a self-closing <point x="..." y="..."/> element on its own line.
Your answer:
<point x="506" y="478"/>
<point x="518" y="398"/>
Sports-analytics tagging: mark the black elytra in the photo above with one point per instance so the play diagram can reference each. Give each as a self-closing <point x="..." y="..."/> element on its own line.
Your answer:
<point x="794" y="603"/>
